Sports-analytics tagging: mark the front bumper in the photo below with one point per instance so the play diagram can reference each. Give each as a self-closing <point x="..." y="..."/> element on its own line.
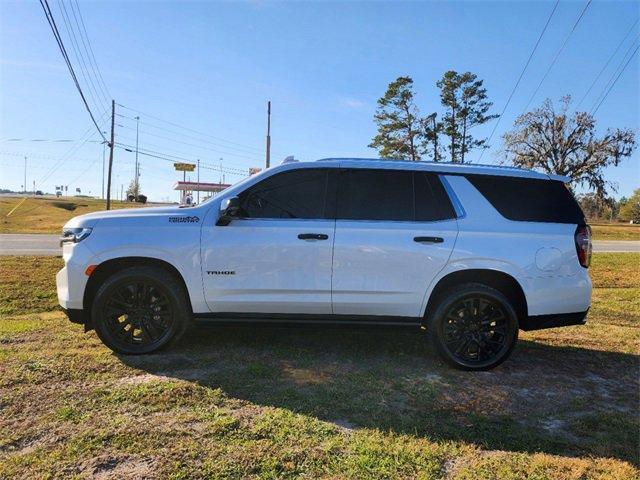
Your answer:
<point x="71" y="281"/>
<point x="75" y="315"/>
<point x="539" y="322"/>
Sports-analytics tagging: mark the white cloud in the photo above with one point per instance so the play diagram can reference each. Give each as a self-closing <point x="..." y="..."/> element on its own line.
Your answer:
<point x="352" y="102"/>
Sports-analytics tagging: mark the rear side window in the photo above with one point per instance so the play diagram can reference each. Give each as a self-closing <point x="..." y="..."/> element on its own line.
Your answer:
<point x="375" y="195"/>
<point x="432" y="201"/>
<point x="529" y="200"/>
<point x="394" y="195"/>
<point x="295" y="194"/>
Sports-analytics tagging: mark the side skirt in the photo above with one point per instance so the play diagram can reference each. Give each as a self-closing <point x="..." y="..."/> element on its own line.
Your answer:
<point x="305" y="319"/>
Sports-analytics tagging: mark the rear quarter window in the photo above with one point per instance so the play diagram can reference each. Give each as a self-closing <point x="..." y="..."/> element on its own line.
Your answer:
<point x="529" y="200"/>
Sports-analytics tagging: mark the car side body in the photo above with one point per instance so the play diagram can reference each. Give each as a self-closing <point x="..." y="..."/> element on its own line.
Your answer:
<point x="339" y="267"/>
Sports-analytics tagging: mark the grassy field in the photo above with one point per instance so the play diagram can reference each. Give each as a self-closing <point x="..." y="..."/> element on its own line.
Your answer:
<point x="302" y="402"/>
<point x="615" y="231"/>
<point x="47" y="215"/>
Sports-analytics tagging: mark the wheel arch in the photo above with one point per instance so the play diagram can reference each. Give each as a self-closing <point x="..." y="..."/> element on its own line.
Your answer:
<point x="107" y="268"/>
<point x="501" y="281"/>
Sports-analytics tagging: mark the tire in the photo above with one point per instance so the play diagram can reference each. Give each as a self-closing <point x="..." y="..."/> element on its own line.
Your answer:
<point x="473" y="327"/>
<point x="140" y="310"/>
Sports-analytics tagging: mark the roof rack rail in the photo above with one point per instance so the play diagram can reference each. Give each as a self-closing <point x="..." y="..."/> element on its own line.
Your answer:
<point x="430" y="162"/>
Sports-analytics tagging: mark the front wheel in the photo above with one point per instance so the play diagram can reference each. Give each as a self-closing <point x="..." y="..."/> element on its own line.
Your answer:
<point x="140" y="310"/>
<point x="474" y="327"/>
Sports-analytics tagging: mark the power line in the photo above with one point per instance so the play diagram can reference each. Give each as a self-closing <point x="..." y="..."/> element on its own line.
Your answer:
<point x="595" y="80"/>
<point x="84" y="172"/>
<point x="245" y="149"/>
<point x="593" y="112"/>
<point x="38" y="140"/>
<point x="93" y="57"/>
<point x="535" y="47"/>
<point x="173" y="158"/>
<point x="79" y="57"/>
<point x="224" y="152"/>
<point x="63" y="51"/>
<point x="171" y="150"/>
<point x="628" y="54"/>
<point x="86" y="137"/>
<point x="557" y="55"/>
<point x="190" y="129"/>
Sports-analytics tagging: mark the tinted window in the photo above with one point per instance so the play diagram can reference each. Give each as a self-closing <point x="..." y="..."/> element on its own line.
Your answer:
<point x="294" y="194"/>
<point x="431" y="200"/>
<point x="375" y="195"/>
<point x="529" y="200"/>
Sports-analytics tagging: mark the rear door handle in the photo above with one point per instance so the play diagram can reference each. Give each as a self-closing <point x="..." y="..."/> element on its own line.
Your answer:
<point x="313" y="236"/>
<point x="428" y="239"/>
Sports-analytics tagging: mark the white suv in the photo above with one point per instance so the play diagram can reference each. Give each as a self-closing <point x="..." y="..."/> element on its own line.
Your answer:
<point x="469" y="253"/>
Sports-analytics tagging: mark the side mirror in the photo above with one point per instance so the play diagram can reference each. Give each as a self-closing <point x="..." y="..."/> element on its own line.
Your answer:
<point x="229" y="209"/>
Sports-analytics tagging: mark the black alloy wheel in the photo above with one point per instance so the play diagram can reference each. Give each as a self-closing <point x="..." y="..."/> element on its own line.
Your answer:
<point x="474" y="327"/>
<point x="139" y="310"/>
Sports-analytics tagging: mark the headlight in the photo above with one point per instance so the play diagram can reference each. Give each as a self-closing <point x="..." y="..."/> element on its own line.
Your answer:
<point x="74" y="235"/>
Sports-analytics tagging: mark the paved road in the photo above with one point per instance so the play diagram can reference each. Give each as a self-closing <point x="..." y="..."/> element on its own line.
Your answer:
<point x="30" y="244"/>
<point x="616" y="246"/>
<point x="43" y="244"/>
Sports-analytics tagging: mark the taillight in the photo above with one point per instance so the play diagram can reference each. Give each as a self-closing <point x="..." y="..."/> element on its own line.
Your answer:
<point x="583" y="244"/>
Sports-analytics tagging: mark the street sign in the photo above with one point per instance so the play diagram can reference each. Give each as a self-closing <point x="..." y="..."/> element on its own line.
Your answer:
<point x="184" y="167"/>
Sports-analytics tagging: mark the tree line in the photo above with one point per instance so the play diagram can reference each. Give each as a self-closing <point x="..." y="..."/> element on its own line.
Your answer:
<point x="549" y="138"/>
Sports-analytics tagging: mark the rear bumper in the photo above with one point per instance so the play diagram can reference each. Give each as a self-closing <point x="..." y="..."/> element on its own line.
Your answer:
<point x="539" y="322"/>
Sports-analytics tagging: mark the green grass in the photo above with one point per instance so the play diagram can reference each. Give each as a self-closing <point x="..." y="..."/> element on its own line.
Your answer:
<point x="47" y="215"/>
<point x="615" y="231"/>
<point x="305" y="402"/>
<point x="27" y="284"/>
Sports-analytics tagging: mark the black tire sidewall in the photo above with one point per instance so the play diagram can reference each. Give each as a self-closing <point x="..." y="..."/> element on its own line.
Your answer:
<point x="162" y="280"/>
<point x="436" y="321"/>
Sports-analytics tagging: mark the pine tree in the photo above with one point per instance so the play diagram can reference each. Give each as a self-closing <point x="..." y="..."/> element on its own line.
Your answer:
<point x="465" y="100"/>
<point x="400" y="133"/>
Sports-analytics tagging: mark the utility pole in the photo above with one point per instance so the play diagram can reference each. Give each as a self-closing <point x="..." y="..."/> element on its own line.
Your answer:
<point x="111" y="145"/>
<point x="137" y="191"/>
<point x="268" y="133"/>
<point x="25" y="175"/>
<point x="104" y="148"/>
<point x="198" y="182"/>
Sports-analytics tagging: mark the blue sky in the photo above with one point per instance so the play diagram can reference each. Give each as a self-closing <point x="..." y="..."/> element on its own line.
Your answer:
<point x="211" y="67"/>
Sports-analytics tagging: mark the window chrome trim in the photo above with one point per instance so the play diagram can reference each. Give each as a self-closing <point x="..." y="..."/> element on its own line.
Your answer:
<point x="455" y="201"/>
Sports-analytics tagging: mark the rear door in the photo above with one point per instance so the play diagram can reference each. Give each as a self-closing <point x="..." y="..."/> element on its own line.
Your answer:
<point x="395" y="230"/>
<point x="277" y="257"/>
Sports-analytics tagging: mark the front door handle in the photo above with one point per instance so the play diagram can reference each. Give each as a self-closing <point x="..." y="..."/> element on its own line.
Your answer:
<point x="313" y="236"/>
<point x="428" y="239"/>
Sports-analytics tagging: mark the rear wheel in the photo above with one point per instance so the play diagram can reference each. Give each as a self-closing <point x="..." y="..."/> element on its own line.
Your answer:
<point x="474" y="327"/>
<point x="140" y="310"/>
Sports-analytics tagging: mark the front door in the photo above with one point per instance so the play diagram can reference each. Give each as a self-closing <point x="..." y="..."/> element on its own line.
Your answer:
<point x="390" y="243"/>
<point x="276" y="258"/>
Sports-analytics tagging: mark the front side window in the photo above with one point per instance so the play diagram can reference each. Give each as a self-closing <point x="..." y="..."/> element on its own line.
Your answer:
<point x="294" y="194"/>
